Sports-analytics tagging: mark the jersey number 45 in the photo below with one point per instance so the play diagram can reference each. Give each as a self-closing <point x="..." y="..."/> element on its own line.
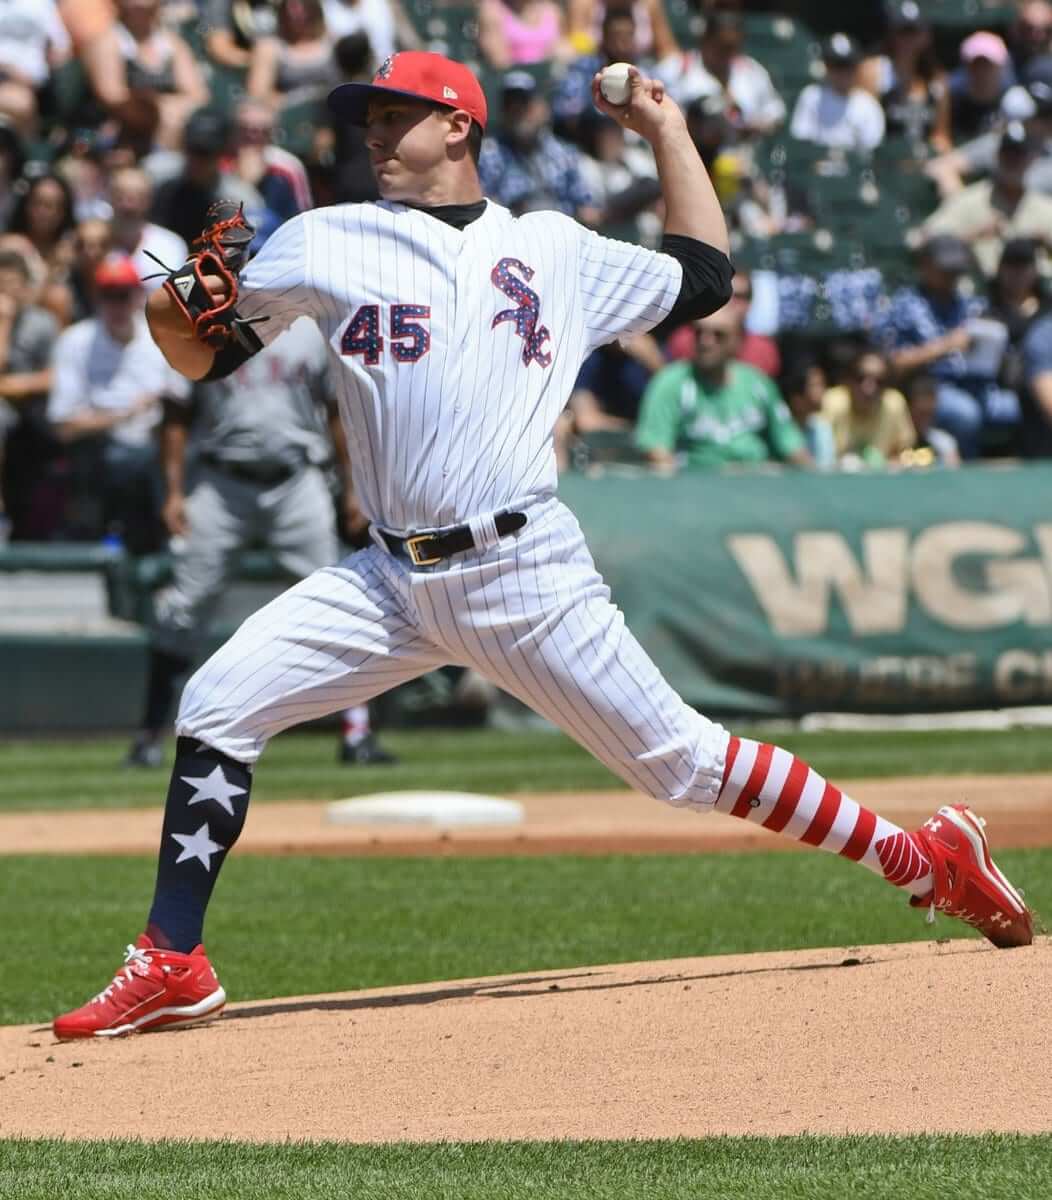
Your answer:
<point x="409" y="339"/>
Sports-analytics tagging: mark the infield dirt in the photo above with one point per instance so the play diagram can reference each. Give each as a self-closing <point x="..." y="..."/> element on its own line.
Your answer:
<point x="887" y="1039"/>
<point x="920" y="1037"/>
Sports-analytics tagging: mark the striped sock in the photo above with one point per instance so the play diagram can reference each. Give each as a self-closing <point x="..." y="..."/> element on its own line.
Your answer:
<point x="766" y="784"/>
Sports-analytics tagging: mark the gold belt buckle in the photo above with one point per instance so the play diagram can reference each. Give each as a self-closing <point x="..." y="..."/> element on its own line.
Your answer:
<point x="418" y="560"/>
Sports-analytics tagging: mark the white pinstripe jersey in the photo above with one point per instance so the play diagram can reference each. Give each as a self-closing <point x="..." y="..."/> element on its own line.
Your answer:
<point x="453" y="351"/>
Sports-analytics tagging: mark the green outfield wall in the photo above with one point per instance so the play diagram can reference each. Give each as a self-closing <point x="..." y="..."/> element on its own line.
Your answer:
<point x="762" y="593"/>
<point x="783" y="593"/>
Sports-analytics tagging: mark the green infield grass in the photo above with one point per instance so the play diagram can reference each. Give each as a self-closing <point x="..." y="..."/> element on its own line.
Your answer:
<point x="299" y="925"/>
<point x="994" y="1167"/>
<point x="86" y="773"/>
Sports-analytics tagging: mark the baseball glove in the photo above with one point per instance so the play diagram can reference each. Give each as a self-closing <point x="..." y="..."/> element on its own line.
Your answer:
<point x="221" y="249"/>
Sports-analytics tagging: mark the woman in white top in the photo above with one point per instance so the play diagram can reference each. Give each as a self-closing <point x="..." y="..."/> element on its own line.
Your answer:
<point x="159" y="64"/>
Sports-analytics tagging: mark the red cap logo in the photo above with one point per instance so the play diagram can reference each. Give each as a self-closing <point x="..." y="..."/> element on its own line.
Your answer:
<point x="416" y="74"/>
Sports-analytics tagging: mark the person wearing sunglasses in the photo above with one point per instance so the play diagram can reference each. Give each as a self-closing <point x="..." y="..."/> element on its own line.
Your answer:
<point x="713" y="411"/>
<point x="871" y="421"/>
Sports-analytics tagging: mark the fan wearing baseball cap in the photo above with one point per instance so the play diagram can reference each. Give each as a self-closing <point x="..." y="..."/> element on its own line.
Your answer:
<point x="838" y="112"/>
<point x="108" y="382"/>
<point x="978" y="86"/>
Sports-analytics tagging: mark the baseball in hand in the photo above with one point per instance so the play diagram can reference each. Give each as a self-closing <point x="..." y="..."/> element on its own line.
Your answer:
<point x="615" y="83"/>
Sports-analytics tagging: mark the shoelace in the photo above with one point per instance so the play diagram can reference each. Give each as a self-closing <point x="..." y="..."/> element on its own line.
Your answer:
<point x="132" y="955"/>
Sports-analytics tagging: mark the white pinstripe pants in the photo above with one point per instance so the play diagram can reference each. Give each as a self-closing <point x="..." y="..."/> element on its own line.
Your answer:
<point x="532" y="615"/>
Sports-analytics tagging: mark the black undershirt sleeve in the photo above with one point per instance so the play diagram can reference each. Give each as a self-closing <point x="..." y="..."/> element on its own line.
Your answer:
<point x="233" y="355"/>
<point x="707" y="275"/>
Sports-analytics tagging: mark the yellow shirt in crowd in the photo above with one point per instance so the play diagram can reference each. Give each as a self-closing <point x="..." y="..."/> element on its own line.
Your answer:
<point x="887" y="428"/>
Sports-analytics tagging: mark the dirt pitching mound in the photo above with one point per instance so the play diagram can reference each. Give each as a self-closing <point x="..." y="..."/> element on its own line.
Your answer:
<point x="884" y="1039"/>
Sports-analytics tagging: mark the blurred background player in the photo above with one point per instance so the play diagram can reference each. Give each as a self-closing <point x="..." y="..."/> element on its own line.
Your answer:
<point x="263" y="439"/>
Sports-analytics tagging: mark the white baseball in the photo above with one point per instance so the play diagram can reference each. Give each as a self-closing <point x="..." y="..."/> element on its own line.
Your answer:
<point x="615" y="83"/>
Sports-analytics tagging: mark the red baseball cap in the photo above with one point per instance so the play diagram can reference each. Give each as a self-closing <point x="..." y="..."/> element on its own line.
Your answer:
<point x="419" y="75"/>
<point x="117" y="271"/>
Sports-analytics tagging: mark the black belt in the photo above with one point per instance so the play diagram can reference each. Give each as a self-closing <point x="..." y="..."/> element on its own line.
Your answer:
<point x="253" y="472"/>
<point x="426" y="549"/>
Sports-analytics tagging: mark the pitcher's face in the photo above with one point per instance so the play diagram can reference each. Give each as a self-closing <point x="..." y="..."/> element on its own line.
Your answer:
<point x="407" y="141"/>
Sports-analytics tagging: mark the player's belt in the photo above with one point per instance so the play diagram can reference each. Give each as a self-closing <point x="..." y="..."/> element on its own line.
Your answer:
<point x="426" y="549"/>
<point x="268" y="474"/>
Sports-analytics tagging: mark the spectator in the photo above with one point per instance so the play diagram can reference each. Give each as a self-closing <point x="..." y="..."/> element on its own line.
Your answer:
<point x="611" y="383"/>
<point x="622" y="179"/>
<point x="27" y="334"/>
<point x="608" y="391"/>
<point x="296" y="65"/>
<point x="94" y="240"/>
<point x="839" y="113"/>
<point x="33" y="42"/>
<point x="1036" y="392"/>
<point x="931" y="327"/>
<point x="182" y="203"/>
<point x="804" y="386"/>
<point x="131" y="231"/>
<point x="909" y="81"/>
<point x="277" y="175"/>
<point x="713" y="411"/>
<point x="524" y="166"/>
<point x="932" y="445"/>
<point x="988" y="212"/>
<point x="652" y="36"/>
<point x="157" y="63"/>
<point x="42" y="222"/>
<point x="384" y="22"/>
<point x="232" y="28"/>
<point x="1030" y="34"/>
<point x="718" y="67"/>
<point x="757" y="349"/>
<point x="1018" y="298"/>
<point x="871" y="422"/>
<point x="978" y="86"/>
<point x="12" y="160"/>
<point x="514" y="33"/>
<point x="343" y="169"/>
<point x="105" y="400"/>
<point x="1033" y="106"/>
<point x="572" y="94"/>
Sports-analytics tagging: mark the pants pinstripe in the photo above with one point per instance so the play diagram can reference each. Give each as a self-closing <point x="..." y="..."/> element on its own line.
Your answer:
<point x="532" y="615"/>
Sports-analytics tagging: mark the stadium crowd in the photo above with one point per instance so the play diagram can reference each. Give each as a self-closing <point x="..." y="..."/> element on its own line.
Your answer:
<point x="888" y="186"/>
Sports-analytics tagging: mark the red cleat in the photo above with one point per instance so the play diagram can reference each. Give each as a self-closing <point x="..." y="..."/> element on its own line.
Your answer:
<point x="968" y="884"/>
<point x="155" y="989"/>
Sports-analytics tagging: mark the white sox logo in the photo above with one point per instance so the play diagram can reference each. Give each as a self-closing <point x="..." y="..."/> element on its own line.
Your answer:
<point x="528" y="313"/>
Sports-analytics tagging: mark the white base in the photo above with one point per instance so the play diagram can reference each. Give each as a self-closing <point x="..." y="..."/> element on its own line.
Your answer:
<point x="438" y="809"/>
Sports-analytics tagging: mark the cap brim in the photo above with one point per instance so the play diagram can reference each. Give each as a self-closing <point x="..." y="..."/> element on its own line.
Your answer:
<point x="350" y="101"/>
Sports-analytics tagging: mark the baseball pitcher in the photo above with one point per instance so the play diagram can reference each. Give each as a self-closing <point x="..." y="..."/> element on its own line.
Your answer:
<point x="455" y="332"/>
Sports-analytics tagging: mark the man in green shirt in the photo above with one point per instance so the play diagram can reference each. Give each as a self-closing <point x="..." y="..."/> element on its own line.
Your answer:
<point x="713" y="411"/>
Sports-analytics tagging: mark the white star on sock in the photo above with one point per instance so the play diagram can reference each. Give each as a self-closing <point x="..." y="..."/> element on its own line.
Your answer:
<point x="213" y="786"/>
<point x="197" y="845"/>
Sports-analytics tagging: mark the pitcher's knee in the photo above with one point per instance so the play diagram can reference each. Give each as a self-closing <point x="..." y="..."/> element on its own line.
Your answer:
<point x="214" y="714"/>
<point x="690" y="776"/>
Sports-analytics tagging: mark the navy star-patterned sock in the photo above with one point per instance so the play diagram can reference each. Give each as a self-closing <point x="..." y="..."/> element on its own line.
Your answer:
<point x="203" y="816"/>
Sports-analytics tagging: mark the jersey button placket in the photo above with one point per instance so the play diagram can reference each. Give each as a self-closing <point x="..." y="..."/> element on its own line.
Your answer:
<point x="461" y="257"/>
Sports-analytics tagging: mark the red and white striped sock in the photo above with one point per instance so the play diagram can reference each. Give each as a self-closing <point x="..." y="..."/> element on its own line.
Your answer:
<point x="769" y="785"/>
